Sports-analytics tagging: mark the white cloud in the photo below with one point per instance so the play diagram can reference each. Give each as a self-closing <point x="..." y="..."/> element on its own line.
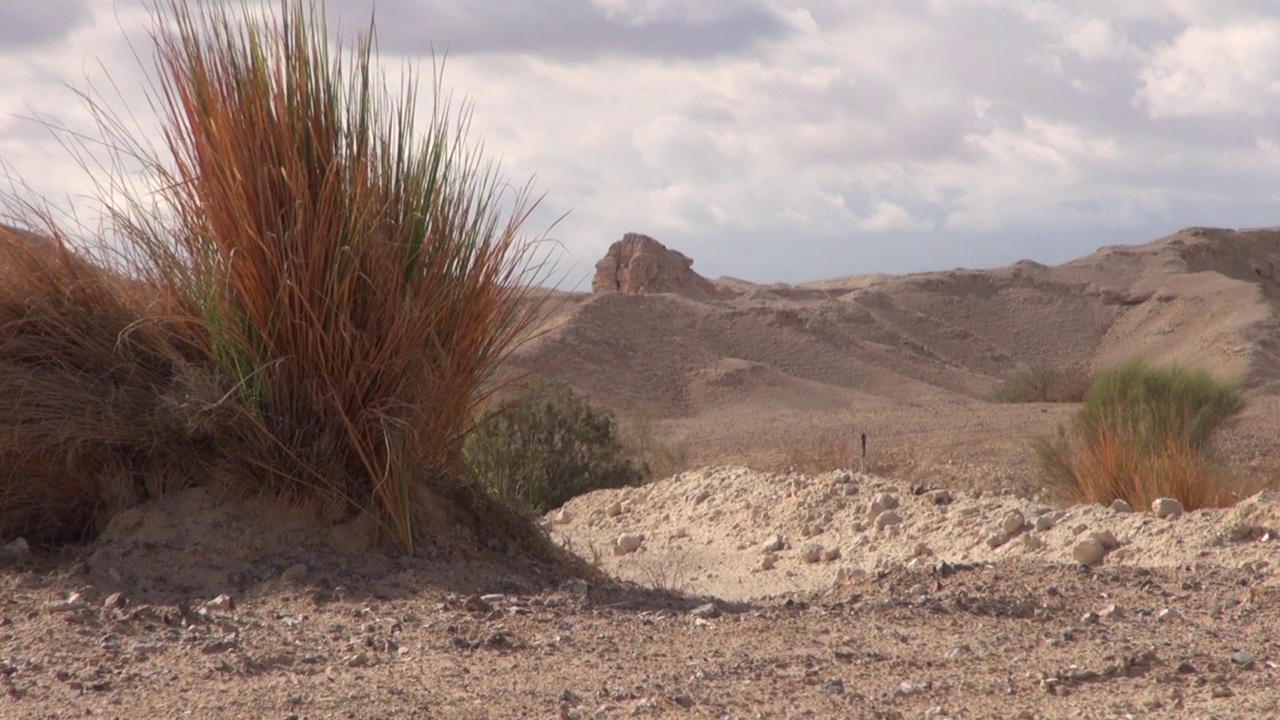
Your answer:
<point x="1211" y="70"/>
<point x="922" y="128"/>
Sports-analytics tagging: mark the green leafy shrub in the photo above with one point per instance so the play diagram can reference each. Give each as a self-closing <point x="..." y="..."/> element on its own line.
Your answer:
<point x="547" y="445"/>
<point x="1143" y="433"/>
<point x="1044" y="384"/>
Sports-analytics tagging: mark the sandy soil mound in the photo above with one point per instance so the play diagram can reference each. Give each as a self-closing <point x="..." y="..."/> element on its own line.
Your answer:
<point x="744" y="535"/>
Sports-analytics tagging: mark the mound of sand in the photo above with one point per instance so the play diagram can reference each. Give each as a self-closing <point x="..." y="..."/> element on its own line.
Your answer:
<point x="739" y="534"/>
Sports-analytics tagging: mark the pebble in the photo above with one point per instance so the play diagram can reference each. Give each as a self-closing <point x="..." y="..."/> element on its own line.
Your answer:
<point x="1166" y="508"/>
<point x="1012" y="523"/>
<point x="941" y="497"/>
<point x="628" y="543"/>
<point x="681" y="532"/>
<point x="73" y="603"/>
<point x="1088" y="552"/>
<point x="561" y="518"/>
<point x="1242" y="658"/>
<point x="768" y="561"/>
<point x="1044" y="523"/>
<point x="811" y="554"/>
<point x="1106" y="539"/>
<point x="833" y="687"/>
<point x="888" y="518"/>
<point x="614" y="509"/>
<point x="115" y="601"/>
<point x="776" y="544"/>
<point x="222" y="603"/>
<point x="881" y="503"/>
<point x="1120" y="506"/>
<point x="1168" y="615"/>
<point x="17" y="548"/>
<point x="709" y="610"/>
<point x="830" y="554"/>
<point x="918" y="590"/>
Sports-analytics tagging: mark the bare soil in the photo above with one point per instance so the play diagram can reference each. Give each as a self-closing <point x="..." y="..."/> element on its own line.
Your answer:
<point x="969" y="604"/>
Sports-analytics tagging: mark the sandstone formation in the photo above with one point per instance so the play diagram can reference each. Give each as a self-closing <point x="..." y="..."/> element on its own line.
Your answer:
<point x="639" y="264"/>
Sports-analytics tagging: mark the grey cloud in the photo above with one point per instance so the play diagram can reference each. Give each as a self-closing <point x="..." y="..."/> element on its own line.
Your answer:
<point x="567" y="29"/>
<point x="29" y="23"/>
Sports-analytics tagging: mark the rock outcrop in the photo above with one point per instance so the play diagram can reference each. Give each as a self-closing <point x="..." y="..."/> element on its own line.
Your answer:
<point x="639" y="264"/>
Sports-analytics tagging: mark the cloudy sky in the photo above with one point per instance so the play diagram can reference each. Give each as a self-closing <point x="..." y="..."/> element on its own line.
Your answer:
<point x="783" y="140"/>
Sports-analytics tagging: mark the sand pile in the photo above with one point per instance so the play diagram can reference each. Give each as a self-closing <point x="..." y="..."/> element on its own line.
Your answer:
<point x="740" y="534"/>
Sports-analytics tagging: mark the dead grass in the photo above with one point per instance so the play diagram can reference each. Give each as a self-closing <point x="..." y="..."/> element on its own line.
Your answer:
<point x="308" y="292"/>
<point x="1044" y="384"/>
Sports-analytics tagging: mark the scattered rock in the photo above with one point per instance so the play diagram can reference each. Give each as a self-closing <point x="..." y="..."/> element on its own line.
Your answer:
<point x="1166" y="508"/>
<point x="768" y="561"/>
<point x="17" y="548"/>
<point x="811" y="554"/>
<point x="1088" y="552"/>
<point x="886" y="519"/>
<point x="628" y="543"/>
<point x="614" y="509"/>
<point x="681" y="532"/>
<point x="830" y="554"/>
<point x="708" y="611"/>
<point x="834" y="686"/>
<point x="1044" y="523"/>
<point x="476" y="604"/>
<point x="73" y="603"/>
<point x="115" y="601"/>
<point x="562" y="517"/>
<point x="775" y="544"/>
<point x="1242" y="658"/>
<point x="1012" y="523"/>
<point x="1106" y="539"/>
<point x="1168" y="615"/>
<point x="880" y="504"/>
<point x="222" y="603"/>
<point x="1120" y="506"/>
<point x="941" y="497"/>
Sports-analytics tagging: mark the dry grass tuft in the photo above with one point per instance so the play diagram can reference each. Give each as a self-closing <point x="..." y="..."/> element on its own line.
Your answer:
<point x="1044" y="384"/>
<point x="1146" y="433"/>
<point x="308" y="293"/>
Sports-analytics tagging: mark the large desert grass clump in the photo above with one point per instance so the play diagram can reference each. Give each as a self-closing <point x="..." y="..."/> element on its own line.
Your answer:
<point x="1143" y="433"/>
<point x="308" y="298"/>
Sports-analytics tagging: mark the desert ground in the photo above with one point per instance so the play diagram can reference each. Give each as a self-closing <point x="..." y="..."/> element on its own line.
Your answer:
<point x="775" y="575"/>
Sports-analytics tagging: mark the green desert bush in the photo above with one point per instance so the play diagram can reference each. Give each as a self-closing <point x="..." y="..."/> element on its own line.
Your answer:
<point x="306" y="294"/>
<point x="1044" y="384"/>
<point x="1145" y="432"/>
<point x="547" y="444"/>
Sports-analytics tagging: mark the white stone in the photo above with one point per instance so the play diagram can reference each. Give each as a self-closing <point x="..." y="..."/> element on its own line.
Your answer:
<point x="1120" y="506"/>
<point x="628" y="543"/>
<point x="1166" y="508"/>
<point x="1012" y="523"/>
<point x="776" y="544"/>
<point x="562" y="517"/>
<point x="614" y="509"/>
<point x="881" y="503"/>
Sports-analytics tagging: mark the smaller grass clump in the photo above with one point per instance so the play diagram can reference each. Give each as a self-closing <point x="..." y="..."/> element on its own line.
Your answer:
<point x="1143" y="433"/>
<point x="1040" y="383"/>
<point x="546" y="445"/>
